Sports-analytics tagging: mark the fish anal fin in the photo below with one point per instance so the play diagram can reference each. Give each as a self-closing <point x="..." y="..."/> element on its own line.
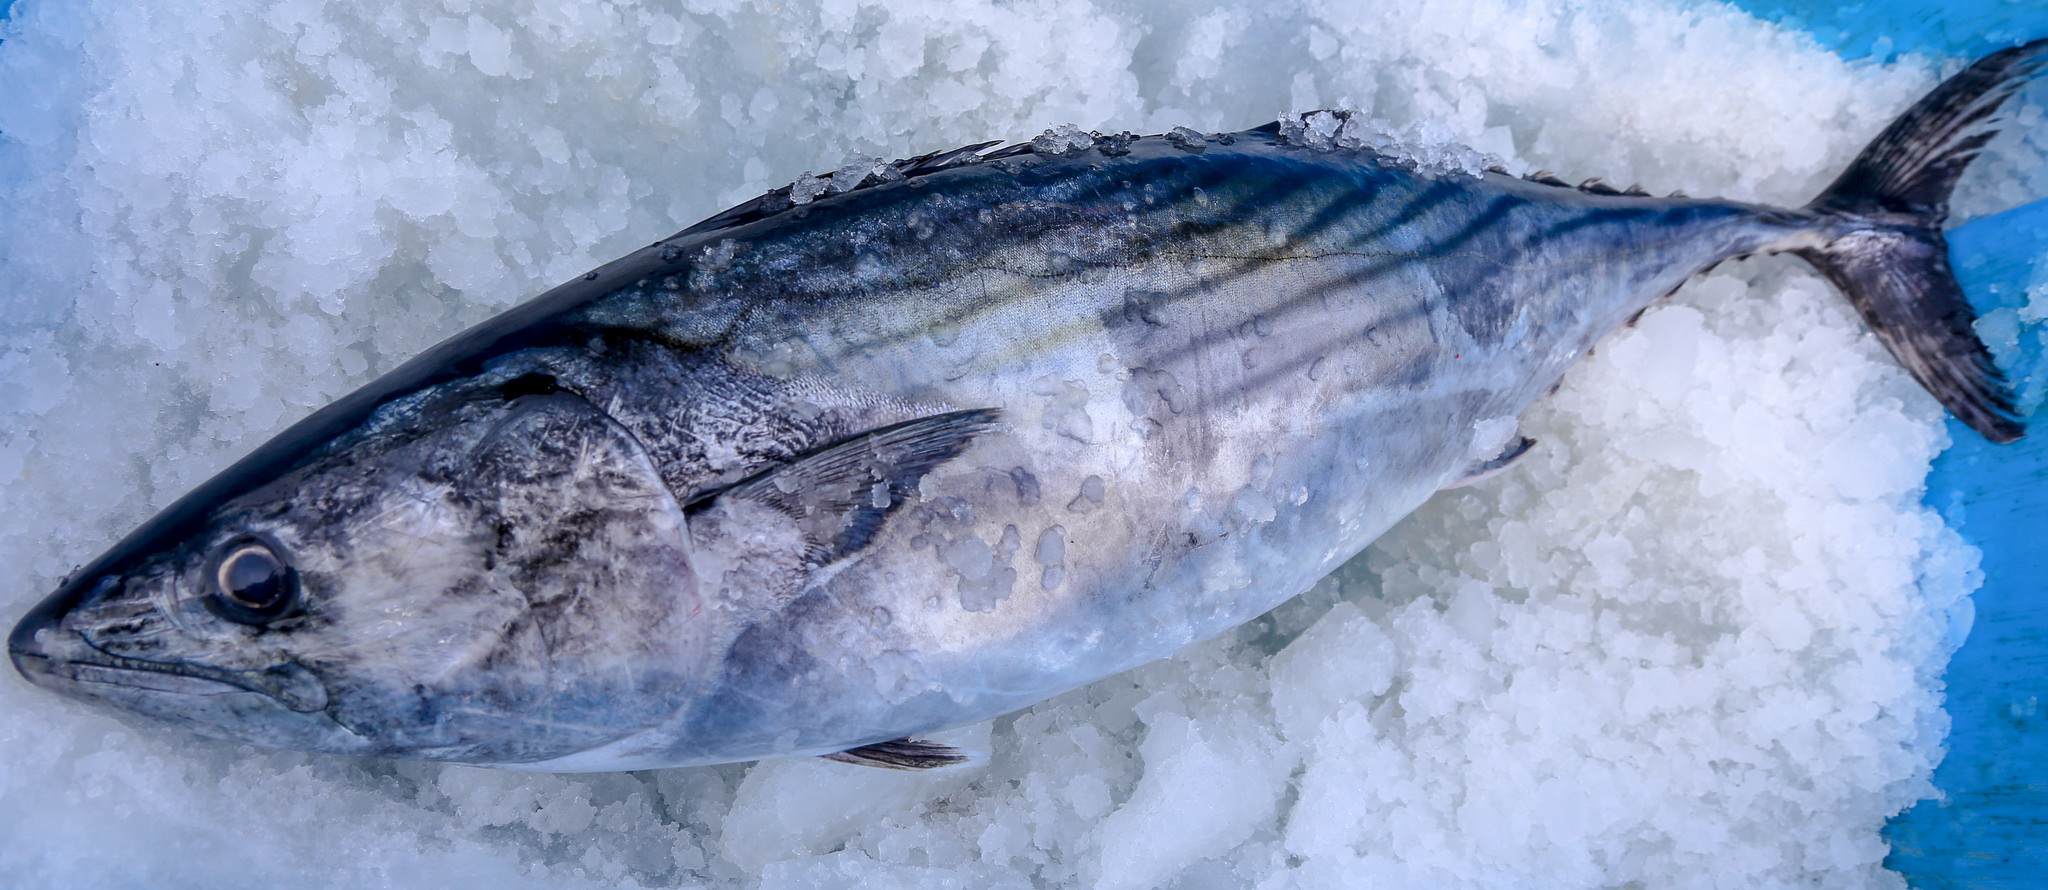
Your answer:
<point x="841" y="494"/>
<point x="1481" y="470"/>
<point x="903" y="754"/>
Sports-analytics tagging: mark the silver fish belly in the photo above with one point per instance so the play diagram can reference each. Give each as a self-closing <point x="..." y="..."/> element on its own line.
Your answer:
<point x="816" y="475"/>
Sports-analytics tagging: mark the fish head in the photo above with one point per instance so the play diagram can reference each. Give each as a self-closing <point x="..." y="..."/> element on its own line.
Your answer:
<point x="481" y="572"/>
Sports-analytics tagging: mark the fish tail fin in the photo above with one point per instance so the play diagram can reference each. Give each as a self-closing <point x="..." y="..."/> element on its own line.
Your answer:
<point x="1888" y="254"/>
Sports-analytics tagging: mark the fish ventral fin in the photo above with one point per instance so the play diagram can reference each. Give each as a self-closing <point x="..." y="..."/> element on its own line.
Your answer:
<point x="1889" y="257"/>
<point x="840" y="495"/>
<point x="903" y="754"/>
<point x="1481" y="470"/>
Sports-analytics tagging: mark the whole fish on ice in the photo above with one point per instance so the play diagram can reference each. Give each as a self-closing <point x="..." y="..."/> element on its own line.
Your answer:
<point x="925" y="443"/>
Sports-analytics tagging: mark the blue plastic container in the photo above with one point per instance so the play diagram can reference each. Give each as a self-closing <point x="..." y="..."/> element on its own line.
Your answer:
<point x="1990" y="829"/>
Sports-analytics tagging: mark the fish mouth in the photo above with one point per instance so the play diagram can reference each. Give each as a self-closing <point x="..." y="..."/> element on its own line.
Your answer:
<point x="25" y="643"/>
<point x="86" y="669"/>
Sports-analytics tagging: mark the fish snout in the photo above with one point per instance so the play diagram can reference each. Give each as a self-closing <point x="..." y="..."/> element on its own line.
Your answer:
<point x="25" y="649"/>
<point x="38" y="645"/>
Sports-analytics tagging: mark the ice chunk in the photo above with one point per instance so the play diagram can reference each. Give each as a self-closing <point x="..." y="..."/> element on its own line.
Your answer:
<point x="490" y="47"/>
<point x="1063" y="139"/>
<point x="861" y="169"/>
<point x="1424" y="145"/>
<point x="1186" y="139"/>
<point x="808" y="188"/>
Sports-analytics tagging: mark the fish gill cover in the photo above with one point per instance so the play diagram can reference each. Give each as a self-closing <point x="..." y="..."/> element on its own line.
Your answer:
<point x="1692" y="641"/>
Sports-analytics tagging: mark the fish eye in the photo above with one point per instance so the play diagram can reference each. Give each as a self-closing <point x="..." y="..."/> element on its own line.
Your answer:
<point x="252" y="584"/>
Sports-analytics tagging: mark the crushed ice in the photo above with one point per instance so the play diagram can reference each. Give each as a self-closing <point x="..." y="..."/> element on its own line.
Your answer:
<point x="1425" y="145"/>
<point x="1186" y="139"/>
<point x="808" y="188"/>
<point x="1063" y="139"/>
<point x="857" y="171"/>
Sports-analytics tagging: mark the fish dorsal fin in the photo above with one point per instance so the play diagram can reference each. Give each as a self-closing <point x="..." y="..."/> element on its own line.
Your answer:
<point x="1481" y="470"/>
<point x="779" y="200"/>
<point x="904" y="754"/>
<point x="840" y="494"/>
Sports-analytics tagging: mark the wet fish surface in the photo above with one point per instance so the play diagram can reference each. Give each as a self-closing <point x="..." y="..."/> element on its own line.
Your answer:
<point x="914" y="446"/>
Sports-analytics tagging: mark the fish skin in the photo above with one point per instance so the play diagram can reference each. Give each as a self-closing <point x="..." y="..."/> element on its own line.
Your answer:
<point x="1213" y="373"/>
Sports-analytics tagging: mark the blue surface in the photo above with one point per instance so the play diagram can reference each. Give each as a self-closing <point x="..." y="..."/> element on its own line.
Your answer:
<point x="1991" y="828"/>
<point x="1882" y="29"/>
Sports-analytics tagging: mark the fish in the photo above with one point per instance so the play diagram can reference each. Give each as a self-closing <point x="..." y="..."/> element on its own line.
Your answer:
<point x="924" y="442"/>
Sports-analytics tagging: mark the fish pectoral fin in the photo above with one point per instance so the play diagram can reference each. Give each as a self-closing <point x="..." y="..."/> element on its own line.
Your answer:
<point x="1482" y="470"/>
<point x="839" y="495"/>
<point x="905" y="754"/>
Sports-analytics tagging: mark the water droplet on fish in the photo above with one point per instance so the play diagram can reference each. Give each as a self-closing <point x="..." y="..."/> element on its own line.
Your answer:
<point x="718" y="256"/>
<point x="1027" y="485"/>
<point x="1052" y="546"/>
<point x="970" y="557"/>
<point x="1089" y="497"/>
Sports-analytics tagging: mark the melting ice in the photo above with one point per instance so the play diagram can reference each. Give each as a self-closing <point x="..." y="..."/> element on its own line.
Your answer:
<point x="1694" y="641"/>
